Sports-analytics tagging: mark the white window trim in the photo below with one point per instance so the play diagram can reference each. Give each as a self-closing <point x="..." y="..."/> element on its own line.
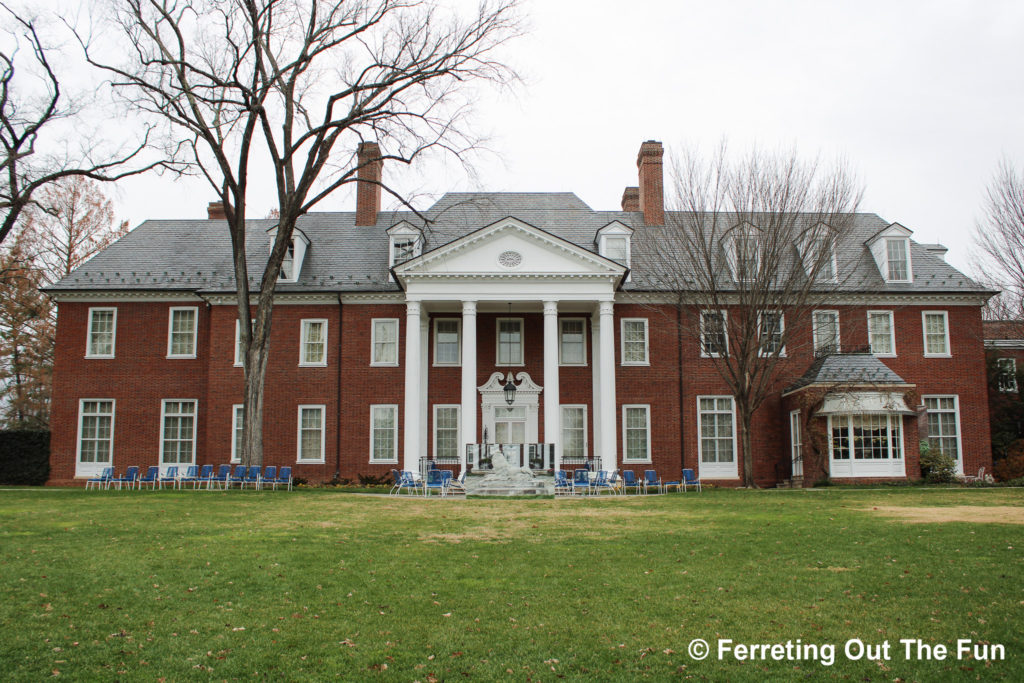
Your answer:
<point x="417" y="249"/>
<point x="725" y="331"/>
<point x="236" y="457"/>
<point x="79" y="469"/>
<point x="906" y="251"/>
<point x="814" y="327"/>
<point x="561" y="331"/>
<point x="394" y="459"/>
<point x="458" y="426"/>
<point x="809" y="252"/>
<point x="751" y="274"/>
<point x="458" y="356"/>
<point x="303" y="363"/>
<point x="586" y="425"/>
<point x="238" y="341"/>
<point x="622" y="342"/>
<point x="892" y="334"/>
<point x="782" y="335"/>
<point x="883" y="467"/>
<point x="497" y="343"/>
<point x="113" y="335"/>
<point x="323" y="433"/>
<point x="945" y="329"/>
<point x="195" y="428"/>
<point x="959" y="430"/>
<point x="1012" y="374"/>
<point x="373" y="341"/>
<point x="716" y="467"/>
<point x="170" y="332"/>
<point x="625" y="452"/>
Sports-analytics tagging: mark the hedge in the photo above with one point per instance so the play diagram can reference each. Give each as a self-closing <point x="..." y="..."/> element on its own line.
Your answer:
<point x="24" y="457"/>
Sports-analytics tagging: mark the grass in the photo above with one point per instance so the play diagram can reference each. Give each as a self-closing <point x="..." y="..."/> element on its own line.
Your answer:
<point x="321" y="584"/>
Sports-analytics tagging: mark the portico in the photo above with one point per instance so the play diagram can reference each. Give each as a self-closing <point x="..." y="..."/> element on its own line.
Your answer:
<point x="510" y="269"/>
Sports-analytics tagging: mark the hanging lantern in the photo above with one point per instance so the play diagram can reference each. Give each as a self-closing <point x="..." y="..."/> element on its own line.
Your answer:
<point x="510" y="390"/>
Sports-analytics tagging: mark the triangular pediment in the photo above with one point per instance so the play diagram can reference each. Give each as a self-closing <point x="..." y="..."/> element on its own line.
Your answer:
<point x="510" y="248"/>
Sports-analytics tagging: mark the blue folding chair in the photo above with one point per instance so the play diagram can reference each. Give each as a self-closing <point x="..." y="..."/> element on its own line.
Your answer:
<point x="151" y="477"/>
<point x="603" y="482"/>
<point x="191" y="474"/>
<point x="284" y="478"/>
<point x="221" y="477"/>
<point x="251" y="478"/>
<point x="651" y="480"/>
<point x="665" y="485"/>
<point x="629" y="481"/>
<point x="102" y="481"/>
<point x="269" y="474"/>
<point x="690" y="479"/>
<point x="237" y="478"/>
<point x="562" y="484"/>
<point x="581" y="481"/>
<point x="409" y="483"/>
<point x="396" y="482"/>
<point x="434" y="482"/>
<point x="131" y="475"/>
<point x="169" y="477"/>
<point x="205" y="475"/>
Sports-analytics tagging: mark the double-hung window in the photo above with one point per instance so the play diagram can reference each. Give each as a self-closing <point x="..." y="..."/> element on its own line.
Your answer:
<point x="936" y="333"/>
<point x="1006" y="378"/>
<point x="634" y="341"/>
<point x="446" y="433"/>
<point x="311" y="434"/>
<point x="714" y="340"/>
<point x="384" y="433"/>
<point x="384" y="342"/>
<point x="101" y="334"/>
<point x="237" y="431"/>
<point x="95" y="435"/>
<point x="177" y="445"/>
<point x="510" y="341"/>
<point x="825" y="325"/>
<point x="944" y="425"/>
<point x="881" y="333"/>
<point x="771" y="329"/>
<point x="405" y="250"/>
<point x="446" y="341"/>
<point x="313" y="343"/>
<point x="574" y="433"/>
<point x="716" y="420"/>
<point x="636" y="433"/>
<point x="182" y="329"/>
<point x="238" y="341"/>
<point x="896" y="258"/>
<point x="866" y="445"/>
<point x="572" y="345"/>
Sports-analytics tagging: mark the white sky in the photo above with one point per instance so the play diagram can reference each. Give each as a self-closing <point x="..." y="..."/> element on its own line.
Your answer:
<point x="922" y="99"/>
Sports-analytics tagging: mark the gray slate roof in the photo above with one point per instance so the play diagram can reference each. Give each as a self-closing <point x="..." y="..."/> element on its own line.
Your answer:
<point x="195" y="255"/>
<point x="845" y="369"/>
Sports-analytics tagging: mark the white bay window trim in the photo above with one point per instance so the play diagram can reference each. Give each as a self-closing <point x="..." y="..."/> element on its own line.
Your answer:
<point x="869" y="452"/>
<point x="378" y="434"/>
<point x="634" y="351"/>
<point x="387" y="353"/>
<point x="309" y="428"/>
<point x="97" y="339"/>
<point x="187" y="338"/>
<point x="935" y="339"/>
<point x="630" y="454"/>
<point x="305" y="345"/>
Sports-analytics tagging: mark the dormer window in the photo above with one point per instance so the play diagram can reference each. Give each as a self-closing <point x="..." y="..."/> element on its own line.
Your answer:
<point x="617" y="249"/>
<point x="294" y="255"/>
<point x="818" y="253"/>
<point x="288" y="264"/>
<point x="614" y="242"/>
<point x="891" y="249"/>
<point x="744" y="252"/>
<point x="405" y="243"/>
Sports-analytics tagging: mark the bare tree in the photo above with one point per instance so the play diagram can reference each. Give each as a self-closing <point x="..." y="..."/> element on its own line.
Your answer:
<point x="750" y="252"/>
<point x="293" y="81"/>
<point x="999" y="242"/>
<point x="35" y="113"/>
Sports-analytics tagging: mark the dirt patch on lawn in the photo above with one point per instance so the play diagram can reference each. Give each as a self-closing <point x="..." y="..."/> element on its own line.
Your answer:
<point x="960" y="513"/>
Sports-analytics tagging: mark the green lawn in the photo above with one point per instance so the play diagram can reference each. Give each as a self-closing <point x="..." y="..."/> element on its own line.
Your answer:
<point x="323" y="584"/>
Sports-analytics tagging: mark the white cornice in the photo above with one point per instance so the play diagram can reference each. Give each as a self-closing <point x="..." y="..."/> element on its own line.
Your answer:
<point x="845" y="299"/>
<point x="123" y="295"/>
<point x="283" y="299"/>
<point x="373" y="298"/>
<point x="512" y="276"/>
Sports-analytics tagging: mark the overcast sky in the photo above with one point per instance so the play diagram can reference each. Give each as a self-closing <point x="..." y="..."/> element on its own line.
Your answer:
<point x="921" y="98"/>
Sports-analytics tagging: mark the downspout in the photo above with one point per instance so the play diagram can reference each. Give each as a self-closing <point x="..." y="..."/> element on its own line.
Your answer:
<point x="682" y="394"/>
<point x="338" y="411"/>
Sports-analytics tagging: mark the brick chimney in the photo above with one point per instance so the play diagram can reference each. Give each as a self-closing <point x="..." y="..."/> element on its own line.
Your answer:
<point x="652" y="193"/>
<point x="631" y="199"/>
<point x="368" y="183"/>
<point x="215" y="211"/>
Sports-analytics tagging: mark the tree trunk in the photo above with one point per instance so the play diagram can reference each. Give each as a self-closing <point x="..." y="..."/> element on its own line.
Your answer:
<point x="745" y="444"/>
<point x="255" y="376"/>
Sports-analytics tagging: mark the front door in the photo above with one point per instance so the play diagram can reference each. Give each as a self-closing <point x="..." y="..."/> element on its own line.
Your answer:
<point x="796" y="443"/>
<point x="510" y="424"/>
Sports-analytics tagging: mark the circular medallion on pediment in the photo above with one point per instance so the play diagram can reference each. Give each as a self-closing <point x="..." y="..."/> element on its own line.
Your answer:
<point x="510" y="258"/>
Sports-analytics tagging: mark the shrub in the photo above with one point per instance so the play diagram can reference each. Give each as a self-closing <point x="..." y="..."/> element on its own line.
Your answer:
<point x="24" y="457"/>
<point x="374" y="480"/>
<point x="1009" y="468"/>
<point x="936" y="467"/>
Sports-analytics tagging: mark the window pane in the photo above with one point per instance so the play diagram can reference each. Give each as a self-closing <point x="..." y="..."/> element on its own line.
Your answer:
<point x="897" y="258"/>
<point x="636" y="433"/>
<point x="713" y="333"/>
<point x="383" y="432"/>
<point x="634" y="341"/>
<point x="880" y="331"/>
<point x="935" y="333"/>
<point x="716" y="430"/>
<point x="510" y="342"/>
<point x="385" y="341"/>
<point x="101" y="338"/>
<point x="183" y="326"/>
<point x="311" y="433"/>
<point x="573" y="432"/>
<point x="826" y="332"/>
<point x="615" y="249"/>
<point x="446" y="342"/>
<point x="572" y="344"/>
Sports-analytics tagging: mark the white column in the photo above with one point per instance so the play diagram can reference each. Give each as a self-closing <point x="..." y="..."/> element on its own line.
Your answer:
<point x="552" y="418"/>
<point x="469" y="401"/>
<point x="424" y="390"/>
<point x="595" y="405"/>
<point x="607" y="361"/>
<point x="413" y="358"/>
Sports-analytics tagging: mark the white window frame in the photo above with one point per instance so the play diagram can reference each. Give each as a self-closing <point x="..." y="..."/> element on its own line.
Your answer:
<point x="237" y="422"/>
<point x="892" y="334"/>
<point x="725" y="332"/>
<point x="782" y="335"/>
<point x="561" y="334"/>
<point x="796" y="444"/>
<point x="561" y="425"/>
<point x="852" y="467"/>
<point x="303" y="339"/>
<point x="113" y="333"/>
<point x="497" y="343"/>
<point x="323" y="434"/>
<point x="1010" y="386"/>
<point x="945" y="329"/>
<point x="394" y="434"/>
<point x="815" y="252"/>
<point x="163" y="430"/>
<point x="238" y="341"/>
<point x="751" y="273"/>
<point x="622" y="342"/>
<point x="92" y="469"/>
<point x="373" y="342"/>
<point x="458" y="334"/>
<point x="458" y="426"/>
<point x="906" y="256"/>
<point x="625" y="451"/>
<point x="170" y="331"/>
<point x="717" y="470"/>
<point x="815" y="327"/>
<point x="959" y="430"/>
